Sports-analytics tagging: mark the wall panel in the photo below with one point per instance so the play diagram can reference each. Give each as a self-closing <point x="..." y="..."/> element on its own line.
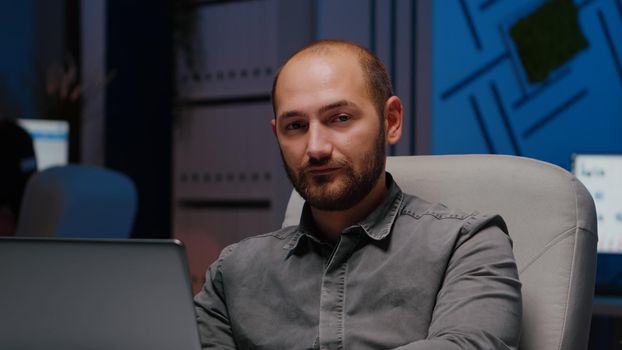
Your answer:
<point x="228" y="179"/>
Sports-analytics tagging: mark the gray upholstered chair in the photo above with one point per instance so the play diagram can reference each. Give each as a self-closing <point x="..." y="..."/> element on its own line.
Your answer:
<point x="78" y="201"/>
<point x="552" y="221"/>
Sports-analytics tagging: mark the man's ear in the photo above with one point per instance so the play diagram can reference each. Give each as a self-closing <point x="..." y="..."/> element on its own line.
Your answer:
<point x="393" y="117"/>
<point x="273" y="122"/>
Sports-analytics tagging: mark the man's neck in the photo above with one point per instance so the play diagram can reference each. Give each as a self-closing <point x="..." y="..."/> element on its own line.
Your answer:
<point x="330" y="224"/>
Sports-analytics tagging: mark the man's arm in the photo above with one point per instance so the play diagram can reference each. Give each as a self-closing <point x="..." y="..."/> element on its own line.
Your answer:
<point x="479" y="304"/>
<point x="211" y="309"/>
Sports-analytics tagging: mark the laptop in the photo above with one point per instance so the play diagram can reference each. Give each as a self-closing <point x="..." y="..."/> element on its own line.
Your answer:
<point x="95" y="294"/>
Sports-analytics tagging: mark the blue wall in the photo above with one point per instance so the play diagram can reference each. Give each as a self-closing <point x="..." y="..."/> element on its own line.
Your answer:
<point x="482" y="102"/>
<point x="16" y="61"/>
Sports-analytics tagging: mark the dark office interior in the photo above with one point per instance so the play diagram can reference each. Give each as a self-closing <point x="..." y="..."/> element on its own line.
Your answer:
<point x="172" y="99"/>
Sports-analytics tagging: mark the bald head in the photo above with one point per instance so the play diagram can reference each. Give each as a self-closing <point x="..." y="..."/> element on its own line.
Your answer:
<point x="378" y="83"/>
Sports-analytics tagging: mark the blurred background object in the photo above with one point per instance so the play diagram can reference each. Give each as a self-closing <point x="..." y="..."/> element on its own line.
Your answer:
<point x="83" y="201"/>
<point x="50" y="140"/>
<point x="17" y="164"/>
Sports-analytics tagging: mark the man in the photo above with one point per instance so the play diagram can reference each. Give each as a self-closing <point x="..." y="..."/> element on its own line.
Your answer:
<point x="369" y="267"/>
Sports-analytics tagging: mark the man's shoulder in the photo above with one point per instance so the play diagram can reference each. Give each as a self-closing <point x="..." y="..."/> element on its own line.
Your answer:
<point x="419" y="209"/>
<point x="434" y="230"/>
<point x="273" y="236"/>
<point x="255" y="249"/>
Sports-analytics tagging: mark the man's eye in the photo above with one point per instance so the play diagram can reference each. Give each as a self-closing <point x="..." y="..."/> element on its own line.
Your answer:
<point x="293" y="126"/>
<point x="342" y="118"/>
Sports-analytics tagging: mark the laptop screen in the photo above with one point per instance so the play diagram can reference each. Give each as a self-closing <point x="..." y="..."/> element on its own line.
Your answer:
<point x="95" y="294"/>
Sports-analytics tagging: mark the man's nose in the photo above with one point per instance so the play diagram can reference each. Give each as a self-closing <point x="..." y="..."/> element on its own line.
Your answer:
<point x="319" y="145"/>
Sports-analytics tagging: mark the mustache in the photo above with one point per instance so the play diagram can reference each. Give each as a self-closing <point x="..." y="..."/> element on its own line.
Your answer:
<point x="323" y="162"/>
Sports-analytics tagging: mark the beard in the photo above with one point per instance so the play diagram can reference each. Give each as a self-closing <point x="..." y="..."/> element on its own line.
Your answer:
<point x="345" y="189"/>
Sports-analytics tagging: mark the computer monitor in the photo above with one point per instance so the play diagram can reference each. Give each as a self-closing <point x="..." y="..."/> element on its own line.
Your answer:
<point x="602" y="176"/>
<point x="51" y="140"/>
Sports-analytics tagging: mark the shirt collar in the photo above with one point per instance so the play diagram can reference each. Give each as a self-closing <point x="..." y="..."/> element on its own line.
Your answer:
<point x="377" y="225"/>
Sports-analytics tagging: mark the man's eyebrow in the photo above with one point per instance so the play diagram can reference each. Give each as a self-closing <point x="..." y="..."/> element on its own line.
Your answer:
<point x="335" y="105"/>
<point x="291" y="114"/>
<point x="322" y="110"/>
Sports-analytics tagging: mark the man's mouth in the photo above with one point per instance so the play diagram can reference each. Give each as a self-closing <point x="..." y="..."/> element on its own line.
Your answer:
<point x="323" y="170"/>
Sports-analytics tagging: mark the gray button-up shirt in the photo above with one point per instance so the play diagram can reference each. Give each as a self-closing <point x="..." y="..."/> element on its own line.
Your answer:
<point x="412" y="275"/>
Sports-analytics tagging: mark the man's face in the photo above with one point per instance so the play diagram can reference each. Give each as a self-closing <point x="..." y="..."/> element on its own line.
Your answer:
<point x="331" y="138"/>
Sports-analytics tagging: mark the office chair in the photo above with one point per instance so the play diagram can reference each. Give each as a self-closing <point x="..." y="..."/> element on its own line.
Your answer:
<point x="552" y="222"/>
<point x="78" y="201"/>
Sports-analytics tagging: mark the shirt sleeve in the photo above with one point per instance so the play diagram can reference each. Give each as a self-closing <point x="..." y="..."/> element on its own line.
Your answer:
<point x="211" y="309"/>
<point x="479" y="305"/>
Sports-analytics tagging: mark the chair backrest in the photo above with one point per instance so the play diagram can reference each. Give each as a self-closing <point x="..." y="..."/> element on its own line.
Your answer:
<point x="552" y="222"/>
<point x="78" y="201"/>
